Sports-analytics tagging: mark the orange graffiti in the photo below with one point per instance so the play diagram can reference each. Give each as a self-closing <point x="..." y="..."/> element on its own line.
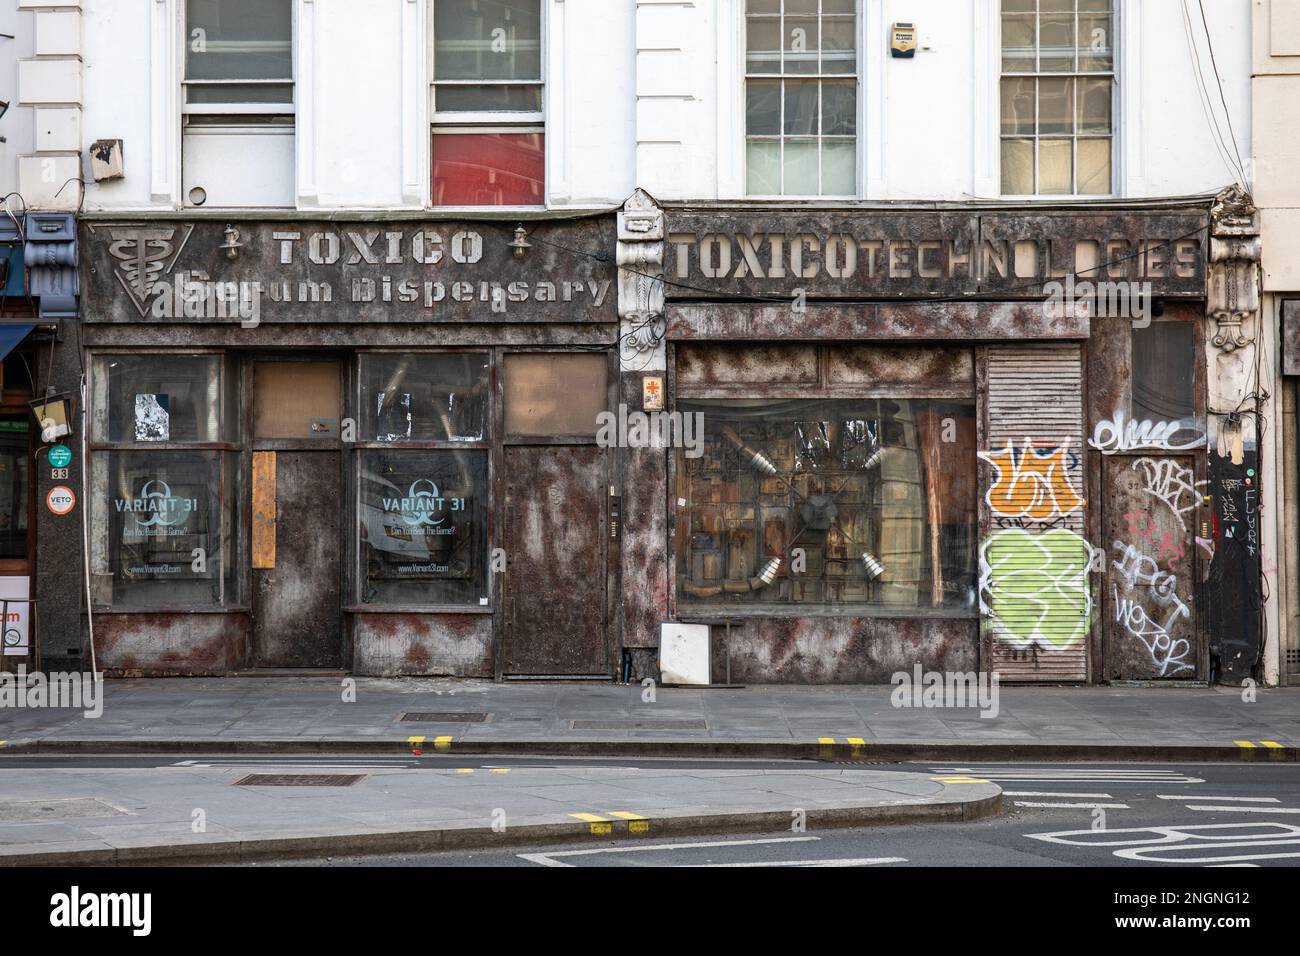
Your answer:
<point x="1030" y="484"/>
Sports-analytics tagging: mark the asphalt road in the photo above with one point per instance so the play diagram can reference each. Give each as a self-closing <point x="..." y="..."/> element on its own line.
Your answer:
<point x="1070" y="814"/>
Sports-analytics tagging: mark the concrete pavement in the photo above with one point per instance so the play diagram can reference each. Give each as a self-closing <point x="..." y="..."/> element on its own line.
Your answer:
<point x="206" y="812"/>
<point x="286" y="715"/>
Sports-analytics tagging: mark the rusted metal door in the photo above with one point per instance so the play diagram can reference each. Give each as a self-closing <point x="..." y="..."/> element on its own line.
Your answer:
<point x="555" y="530"/>
<point x="296" y="609"/>
<point x="1149" y="518"/>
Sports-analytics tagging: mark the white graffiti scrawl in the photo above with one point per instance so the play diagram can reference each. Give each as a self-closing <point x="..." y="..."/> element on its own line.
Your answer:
<point x="1168" y="654"/>
<point x="1123" y="433"/>
<point x="1173" y="484"/>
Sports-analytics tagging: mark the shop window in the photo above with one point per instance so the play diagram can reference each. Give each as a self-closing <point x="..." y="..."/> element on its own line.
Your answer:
<point x="555" y="394"/>
<point x="488" y="125"/>
<point x="829" y="504"/>
<point x="1057" y="89"/>
<point x="801" y="98"/>
<point x="296" y="400"/>
<point x="412" y="397"/>
<point x="423" y="526"/>
<point x="14" y="449"/>
<point x="163" y="481"/>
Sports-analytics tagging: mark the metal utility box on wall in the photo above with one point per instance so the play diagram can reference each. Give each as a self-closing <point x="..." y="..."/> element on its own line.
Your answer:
<point x="902" y="40"/>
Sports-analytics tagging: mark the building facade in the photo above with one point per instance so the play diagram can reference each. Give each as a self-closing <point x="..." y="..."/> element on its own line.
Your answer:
<point x="520" y="338"/>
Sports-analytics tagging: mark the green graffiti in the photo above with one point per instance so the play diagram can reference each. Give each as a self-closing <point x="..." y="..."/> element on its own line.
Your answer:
<point x="1034" y="587"/>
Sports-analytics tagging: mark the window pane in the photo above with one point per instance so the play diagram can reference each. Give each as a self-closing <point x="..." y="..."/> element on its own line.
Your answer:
<point x="1055" y="106"/>
<point x="1094" y="106"/>
<point x="839" y="109"/>
<point x="1095" y="51"/>
<point x="1017" y="6"/>
<point x="1056" y="43"/>
<point x="1056" y="6"/>
<point x="497" y="98"/>
<point x="1018" y="44"/>
<point x="14" y="433"/>
<point x="763" y="167"/>
<point x="489" y="169"/>
<point x="1055" y="165"/>
<point x="763" y="107"/>
<point x="1094" y="166"/>
<point x="151" y="509"/>
<point x="1162" y="389"/>
<point x="161" y="398"/>
<point x="238" y="40"/>
<point x="800" y="6"/>
<point x="839" y="167"/>
<point x="763" y="45"/>
<point x="801" y="107"/>
<point x="1018" y="106"/>
<point x="1018" y="167"/>
<point x="555" y="393"/>
<point x="223" y="93"/>
<point x="421" y="397"/>
<point x="423" y="526"/>
<point x="1093" y="5"/>
<point x="487" y="40"/>
<point x="296" y="400"/>
<point x="801" y="163"/>
<point x="883" y="507"/>
<point x="763" y="6"/>
<point x="838" y="6"/>
<point x="801" y="44"/>
<point x="838" y="49"/>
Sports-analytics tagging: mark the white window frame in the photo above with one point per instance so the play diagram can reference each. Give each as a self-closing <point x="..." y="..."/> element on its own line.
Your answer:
<point x="236" y="110"/>
<point x="740" y="185"/>
<point x="489" y="122"/>
<point x="1118" y="53"/>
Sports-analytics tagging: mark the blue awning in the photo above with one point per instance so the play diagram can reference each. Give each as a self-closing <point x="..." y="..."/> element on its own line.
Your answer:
<point x="11" y="334"/>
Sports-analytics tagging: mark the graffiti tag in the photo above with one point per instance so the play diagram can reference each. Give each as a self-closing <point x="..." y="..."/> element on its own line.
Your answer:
<point x="1172" y="484"/>
<point x="1126" y="434"/>
<point x="1034" y="587"/>
<point x="1032" y="482"/>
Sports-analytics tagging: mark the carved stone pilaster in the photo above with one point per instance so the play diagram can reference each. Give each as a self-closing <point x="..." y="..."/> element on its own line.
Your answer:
<point x="1232" y="299"/>
<point x="640" y="256"/>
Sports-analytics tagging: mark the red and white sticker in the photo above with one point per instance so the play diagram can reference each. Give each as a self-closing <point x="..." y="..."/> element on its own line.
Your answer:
<point x="61" y="499"/>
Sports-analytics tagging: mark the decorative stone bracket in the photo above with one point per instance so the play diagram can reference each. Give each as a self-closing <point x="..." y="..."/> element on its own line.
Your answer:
<point x="1233" y="289"/>
<point x="640" y="256"/>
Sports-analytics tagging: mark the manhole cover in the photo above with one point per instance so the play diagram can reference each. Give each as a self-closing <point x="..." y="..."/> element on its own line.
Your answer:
<point x="446" y="716"/>
<point x="646" y="724"/>
<point x="299" y="779"/>
<point x="67" y="808"/>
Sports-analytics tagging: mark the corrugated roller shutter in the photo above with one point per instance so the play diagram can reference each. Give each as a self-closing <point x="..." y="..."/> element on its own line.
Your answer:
<point x="1034" y="579"/>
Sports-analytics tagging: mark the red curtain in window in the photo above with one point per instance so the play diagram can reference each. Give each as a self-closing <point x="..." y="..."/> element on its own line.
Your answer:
<point x="489" y="169"/>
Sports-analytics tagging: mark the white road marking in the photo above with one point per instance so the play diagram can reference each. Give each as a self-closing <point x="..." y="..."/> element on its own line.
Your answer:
<point x="1073" y="806"/>
<point x="1053" y="793"/>
<point x="1202" y="796"/>
<point x="549" y="859"/>
<point x="1214" y="809"/>
<point x="1070" y="775"/>
<point x="859" y="861"/>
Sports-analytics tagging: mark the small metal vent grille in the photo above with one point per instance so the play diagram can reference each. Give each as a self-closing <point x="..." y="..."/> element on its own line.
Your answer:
<point x="299" y="779"/>
<point x="445" y="716"/>
<point x="651" y="724"/>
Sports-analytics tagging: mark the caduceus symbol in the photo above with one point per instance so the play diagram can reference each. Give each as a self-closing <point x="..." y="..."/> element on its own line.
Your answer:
<point x="142" y="253"/>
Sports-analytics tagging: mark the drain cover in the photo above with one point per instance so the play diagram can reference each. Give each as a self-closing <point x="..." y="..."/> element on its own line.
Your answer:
<point x="446" y="716"/>
<point x="299" y="779"/>
<point x="633" y="724"/>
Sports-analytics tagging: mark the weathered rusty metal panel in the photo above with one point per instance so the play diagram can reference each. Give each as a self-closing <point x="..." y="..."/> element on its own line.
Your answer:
<point x="555" y="539"/>
<point x="902" y="367"/>
<point x="263" y="536"/>
<point x="842" y="650"/>
<point x="296" y="603"/>
<point x="1291" y="337"/>
<point x="398" y="644"/>
<point x="342" y="335"/>
<point x="356" y="271"/>
<point x="170" y="644"/>
<point x="643" y="596"/>
<point x="901" y="321"/>
<point x="918" y="254"/>
<point x="1034" y="586"/>
<point x="1150" y="579"/>
<point x="746" y="364"/>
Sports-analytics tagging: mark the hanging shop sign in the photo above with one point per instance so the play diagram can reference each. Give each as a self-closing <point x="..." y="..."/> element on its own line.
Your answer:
<point x="355" y="272"/>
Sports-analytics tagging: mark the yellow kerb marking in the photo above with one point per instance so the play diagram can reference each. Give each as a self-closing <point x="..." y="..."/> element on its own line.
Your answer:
<point x="500" y="769"/>
<point x="441" y="743"/>
<point x="1266" y="743"/>
<point x="826" y="740"/>
<point x="602" y="829"/>
<point x="959" y="780"/>
<point x="638" y="826"/>
<point x="856" y="741"/>
<point x="1243" y="743"/>
<point x="464" y="769"/>
<point x="588" y="817"/>
<point x="415" y="741"/>
<point x="625" y="815"/>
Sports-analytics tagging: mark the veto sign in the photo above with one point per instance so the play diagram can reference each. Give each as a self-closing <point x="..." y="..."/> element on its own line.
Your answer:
<point x="61" y="499"/>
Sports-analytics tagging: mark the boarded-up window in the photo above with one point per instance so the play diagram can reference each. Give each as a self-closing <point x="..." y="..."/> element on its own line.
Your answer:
<point x="1163" y="359"/>
<point x="549" y="394"/>
<point x="296" y="400"/>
